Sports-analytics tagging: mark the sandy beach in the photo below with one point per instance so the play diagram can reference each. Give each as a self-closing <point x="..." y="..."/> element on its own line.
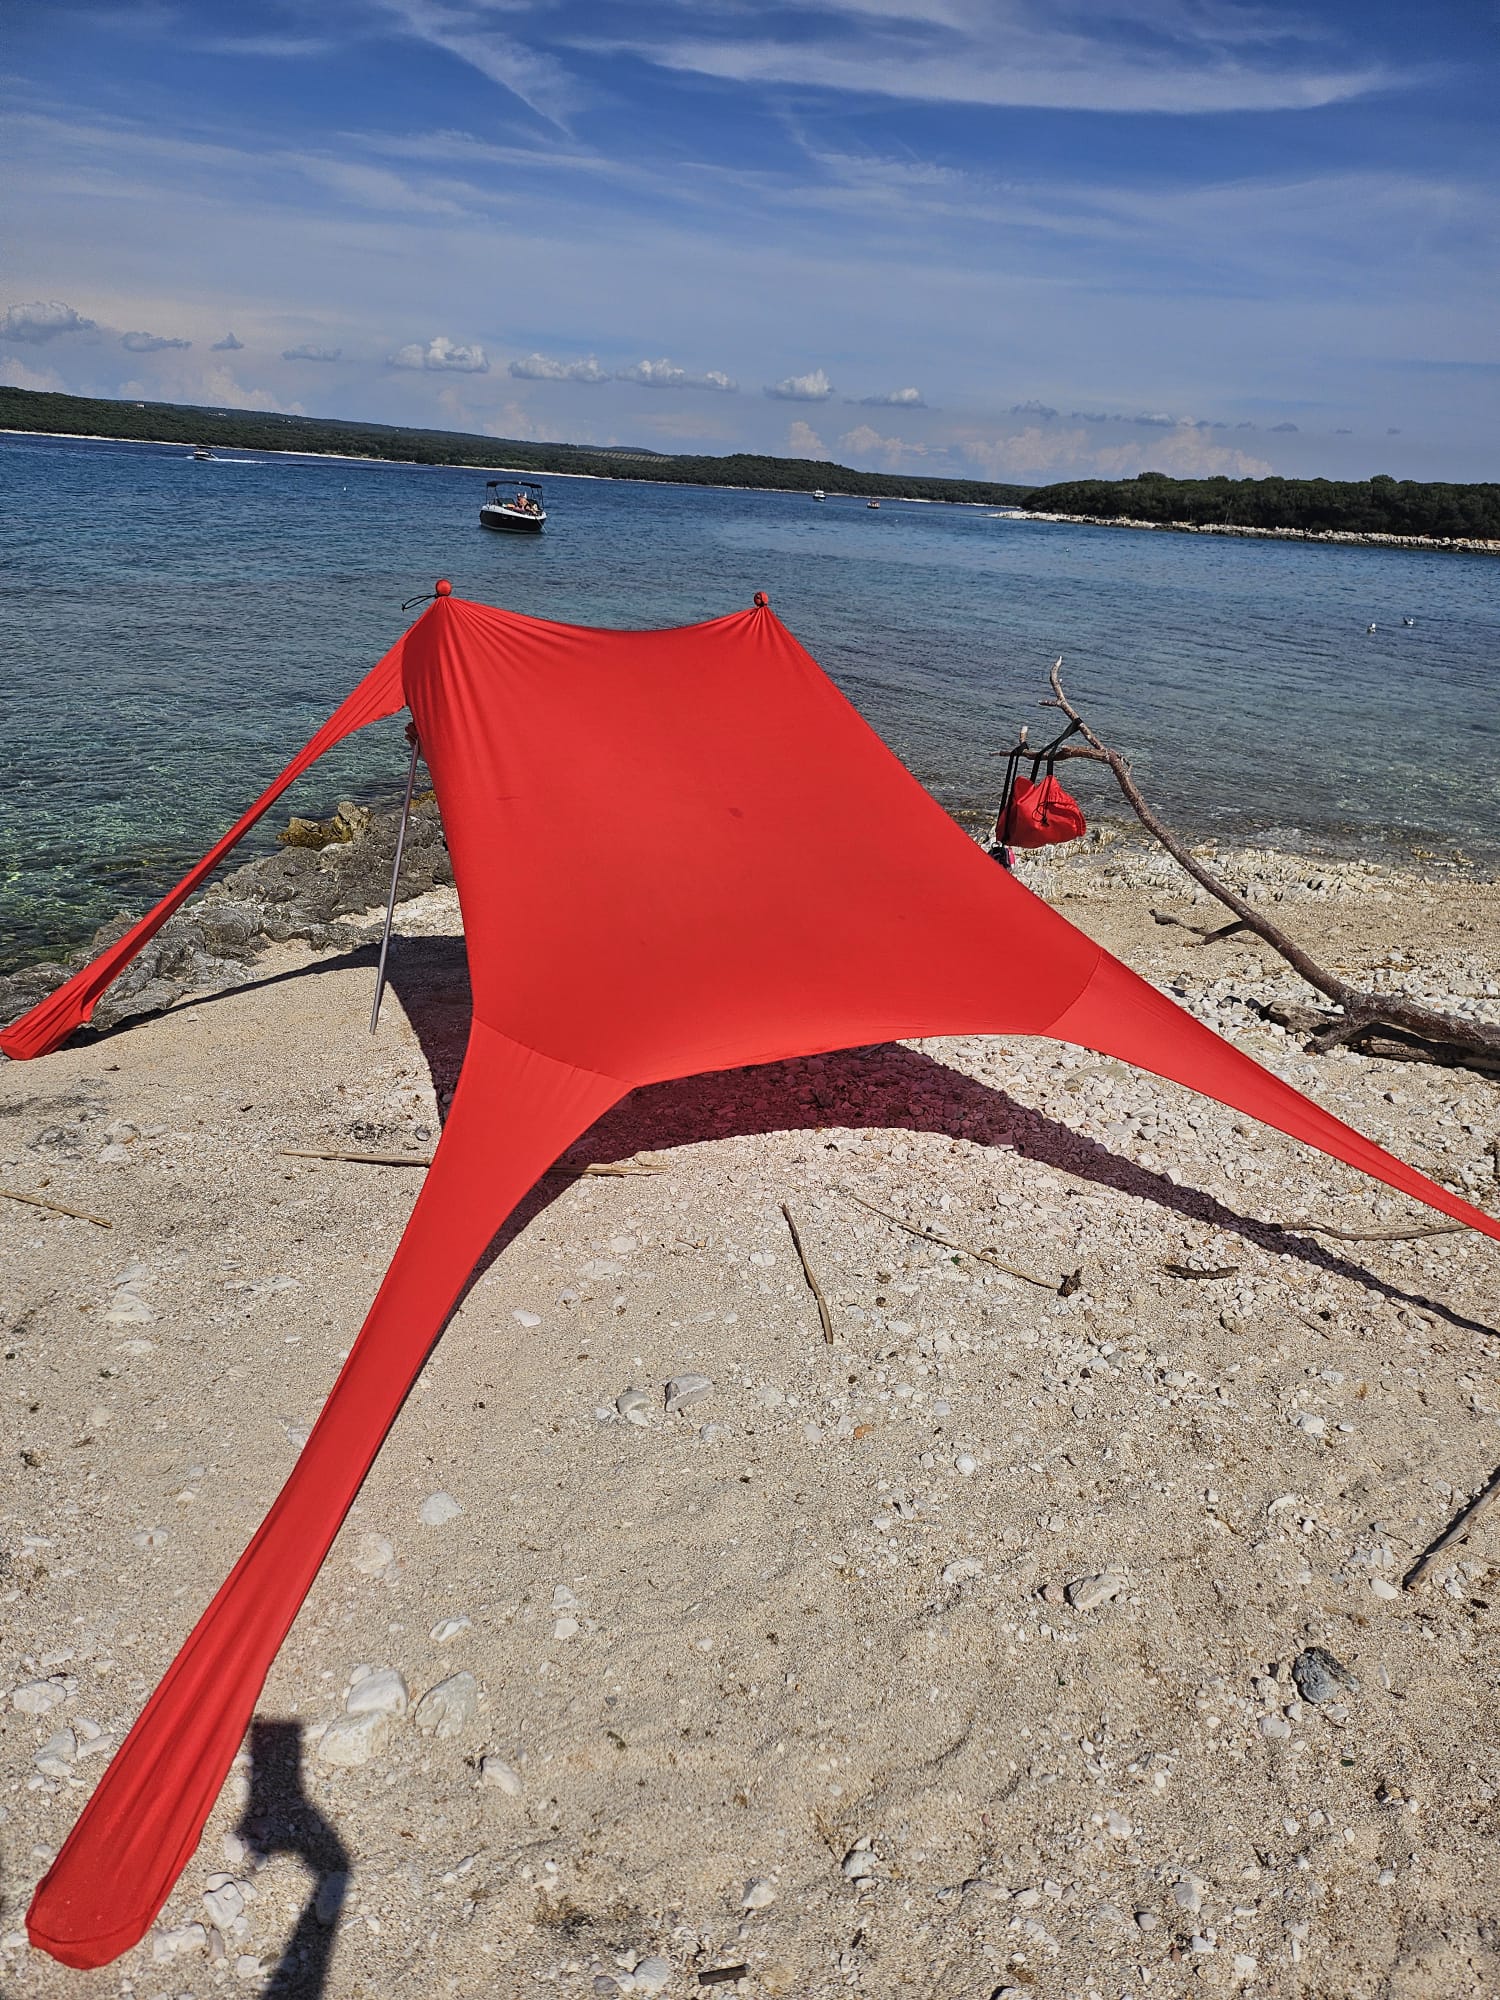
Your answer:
<point x="1013" y="1643"/>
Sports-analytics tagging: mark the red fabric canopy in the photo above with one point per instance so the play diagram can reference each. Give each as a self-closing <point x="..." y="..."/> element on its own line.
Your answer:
<point x="675" y="852"/>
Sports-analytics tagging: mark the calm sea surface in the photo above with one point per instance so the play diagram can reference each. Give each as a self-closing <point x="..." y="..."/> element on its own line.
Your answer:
<point x="171" y="632"/>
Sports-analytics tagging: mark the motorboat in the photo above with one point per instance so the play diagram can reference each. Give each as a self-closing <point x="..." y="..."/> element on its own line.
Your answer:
<point x="875" y="504"/>
<point x="201" y="451"/>
<point x="514" y="507"/>
<point x="819" y="494"/>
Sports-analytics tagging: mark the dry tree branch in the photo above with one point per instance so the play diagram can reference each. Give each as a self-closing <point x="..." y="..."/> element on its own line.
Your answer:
<point x="1425" y="1034"/>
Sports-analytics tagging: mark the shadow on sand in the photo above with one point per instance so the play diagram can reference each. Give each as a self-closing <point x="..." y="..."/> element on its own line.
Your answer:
<point x="279" y="1818"/>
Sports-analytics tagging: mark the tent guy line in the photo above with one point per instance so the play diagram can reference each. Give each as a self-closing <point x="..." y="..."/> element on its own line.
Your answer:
<point x="774" y="883"/>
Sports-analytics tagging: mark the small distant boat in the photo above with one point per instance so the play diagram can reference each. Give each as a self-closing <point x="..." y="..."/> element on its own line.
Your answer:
<point x="873" y="503"/>
<point x="819" y="494"/>
<point x="521" y="513"/>
<point x="201" y="451"/>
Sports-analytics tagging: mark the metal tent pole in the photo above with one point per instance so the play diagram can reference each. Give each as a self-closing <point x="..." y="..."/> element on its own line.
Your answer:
<point x="390" y="908"/>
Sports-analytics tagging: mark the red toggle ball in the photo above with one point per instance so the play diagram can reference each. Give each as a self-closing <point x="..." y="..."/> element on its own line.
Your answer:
<point x="444" y="587"/>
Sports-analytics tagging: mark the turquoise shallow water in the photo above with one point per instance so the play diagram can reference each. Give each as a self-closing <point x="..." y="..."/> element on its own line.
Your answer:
<point x="170" y="632"/>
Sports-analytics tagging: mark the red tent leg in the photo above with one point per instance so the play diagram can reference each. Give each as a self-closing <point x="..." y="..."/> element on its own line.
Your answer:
<point x="1119" y="1014"/>
<point x="140" y="1828"/>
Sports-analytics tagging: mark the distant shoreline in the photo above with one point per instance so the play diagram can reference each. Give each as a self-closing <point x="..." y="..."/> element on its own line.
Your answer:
<point x="1347" y="537"/>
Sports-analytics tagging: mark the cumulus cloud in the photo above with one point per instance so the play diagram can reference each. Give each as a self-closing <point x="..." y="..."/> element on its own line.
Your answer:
<point x="896" y="399"/>
<point x="441" y="353"/>
<point x="15" y="374"/>
<point x="667" y="375"/>
<point x="308" y="352"/>
<point x="802" y="441"/>
<point x="42" y="319"/>
<point x="542" y="368"/>
<point x="150" y="343"/>
<point x="1045" y="453"/>
<point x="864" y="441"/>
<point x="812" y="388"/>
<point x="228" y="345"/>
<point x="1275" y="428"/>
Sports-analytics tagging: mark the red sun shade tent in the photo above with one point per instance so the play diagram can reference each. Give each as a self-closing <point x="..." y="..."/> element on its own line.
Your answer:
<point x="675" y="852"/>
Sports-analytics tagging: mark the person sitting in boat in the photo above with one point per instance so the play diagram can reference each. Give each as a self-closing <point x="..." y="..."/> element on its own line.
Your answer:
<point x="525" y="503"/>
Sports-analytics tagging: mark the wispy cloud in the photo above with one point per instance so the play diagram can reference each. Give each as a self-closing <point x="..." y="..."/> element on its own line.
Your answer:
<point x="441" y="354"/>
<point x="309" y="352"/>
<point x="42" y="319"/>
<point x="542" y="368"/>
<point x="150" y="343"/>
<point x="1098" y="55"/>
<point x="467" y="33"/>
<point x="811" y="388"/>
<point x="228" y="345"/>
<point x="896" y="399"/>
<point x="667" y="375"/>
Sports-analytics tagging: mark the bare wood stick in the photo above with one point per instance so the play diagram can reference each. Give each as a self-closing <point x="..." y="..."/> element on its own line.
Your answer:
<point x="356" y="1159"/>
<point x="948" y="1243"/>
<point x="811" y="1276"/>
<point x="1360" y="1010"/>
<point x="1376" y="1235"/>
<point x="1459" y="1531"/>
<point x="56" y="1207"/>
<point x="612" y="1168"/>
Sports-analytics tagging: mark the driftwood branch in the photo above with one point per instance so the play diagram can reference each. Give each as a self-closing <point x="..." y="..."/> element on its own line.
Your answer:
<point x="811" y="1276"/>
<point x="1459" y="1531"/>
<point x="609" y="1169"/>
<point x="1064" y="1289"/>
<point x="55" y="1207"/>
<point x="1384" y="1024"/>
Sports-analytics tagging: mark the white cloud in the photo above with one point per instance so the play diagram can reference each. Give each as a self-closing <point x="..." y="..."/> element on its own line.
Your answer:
<point x="667" y="375"/>
<point x="308" y="352"/>
<point x="16" y="375"/>
<point x="42" y="320"/>
<point x="802" y="441"/>
<point x="462" y="29"/>
<point x="896" y="399"/>
<point x="1047" y="454"/>
<point x="228" y="345"/>
<point x="864" y="441"/>
<point x="150" y="343"/>
<point x="812" y="388"/>
<point x="1191" y="57"/>
<point x="441" y="353"/>
<point x="513" y="421"/>
<point x="542" y="368"/>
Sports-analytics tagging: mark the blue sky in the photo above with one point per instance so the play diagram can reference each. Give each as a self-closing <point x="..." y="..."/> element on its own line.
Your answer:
<point x="1032" y="239"/>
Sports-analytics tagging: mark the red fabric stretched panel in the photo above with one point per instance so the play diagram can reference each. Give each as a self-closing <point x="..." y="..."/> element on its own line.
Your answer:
<point x="50" y="1023"/>
<point x="769" y="881"/>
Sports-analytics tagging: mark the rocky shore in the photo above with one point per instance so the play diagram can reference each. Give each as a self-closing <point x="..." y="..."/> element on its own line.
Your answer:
<point x="1032" y="1640"/>
<point x="1464" y="545"/>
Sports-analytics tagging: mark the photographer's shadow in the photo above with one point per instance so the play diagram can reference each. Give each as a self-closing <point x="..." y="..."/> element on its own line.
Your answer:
<point x="279" y="1818"/>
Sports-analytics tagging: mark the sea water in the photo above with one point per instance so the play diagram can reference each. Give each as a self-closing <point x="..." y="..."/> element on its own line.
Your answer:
<point x="171" y="631"/>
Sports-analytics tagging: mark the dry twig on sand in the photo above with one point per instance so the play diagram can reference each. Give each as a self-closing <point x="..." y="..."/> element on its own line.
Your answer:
<point x="1373" y="1235"/>
<point x="56" y="1207"/>
<point x="1065" y="1288"/>
<point x="1459" y="1531"/>
<point x="811" y="1276"/>
<point x="613" y="1169"/>
<point x="1383" y="1024"/>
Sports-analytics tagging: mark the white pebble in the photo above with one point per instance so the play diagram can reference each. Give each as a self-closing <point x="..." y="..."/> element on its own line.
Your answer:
<point x="380" y="1693"/>
<point x="759" y="1895"/>
<point x="962" y="1570"/>
<point x="56" y="1754"/>
<point x="1383" y="1589"/>
<point x="526" y="1319"/>
<point x="1087" y="1593"/>
<point x="503" y="1777"/>
<point x="965" y="1465"/>
<point x="352" y="1740"/>
<point x="224" y="1900"/>
<point x="683" y="1391"/>
<point x="448" y="1708"/>
<point x="449" y="1628"/>
<point x="374" y="1556"/>
<point x="125" y="1309"/>
<point x="634" y="1405"/>
<point x="37" y="1697"/>
<point x="167" y="1945"/>
<point x="438" y="1509"/>
<point x="650" y="1975"/>
<point x="1275" y="1726"/>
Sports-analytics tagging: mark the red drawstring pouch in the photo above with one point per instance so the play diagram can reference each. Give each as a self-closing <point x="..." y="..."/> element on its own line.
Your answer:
<point x="1042" y="815"/>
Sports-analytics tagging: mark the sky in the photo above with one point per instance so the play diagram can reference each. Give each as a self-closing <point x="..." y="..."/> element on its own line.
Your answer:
<point x="1009" y="239"/>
